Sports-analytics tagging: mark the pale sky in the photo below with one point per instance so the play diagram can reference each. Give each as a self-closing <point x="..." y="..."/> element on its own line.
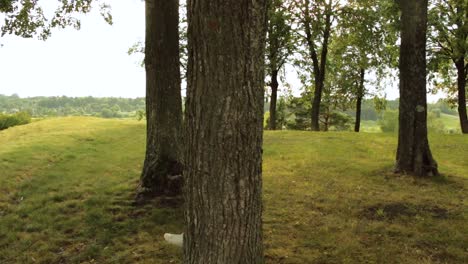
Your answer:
<point x="90" y="62"/>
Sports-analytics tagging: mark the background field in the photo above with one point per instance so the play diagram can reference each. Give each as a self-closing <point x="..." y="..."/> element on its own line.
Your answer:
<point x="66" y="189"/>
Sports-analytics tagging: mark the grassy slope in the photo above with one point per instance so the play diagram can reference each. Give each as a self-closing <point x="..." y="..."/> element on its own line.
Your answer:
<point x="451" y="122"/>
<point x="66" y="187"/>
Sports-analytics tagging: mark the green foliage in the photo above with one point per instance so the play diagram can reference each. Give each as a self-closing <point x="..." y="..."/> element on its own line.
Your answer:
<point x="380" y="104"/>
<point x="280" y="41"/>
<point x="266" y="120"/>
<point x="447" y="44"/>
<point x="140" y="115"/>
<point x="363" y="42"/>
<point x="107" y="113"/>
<point x="300" y="108"/>
<point x="20" y="118"/>
<point x="389" y="121"/>
<point x="340" y="121"/>
<point x="26" y="18"/>
<point x="281" y="113"/>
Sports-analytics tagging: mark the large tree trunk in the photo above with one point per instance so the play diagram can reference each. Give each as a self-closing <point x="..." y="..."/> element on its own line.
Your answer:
<point x="360" y="95"/>
<point x="274" y="97"/>
<point x="162" y="168"/>
<point x="413" y="154"/>
<point x="224" y="125"/>
<point x="461" y="85"/>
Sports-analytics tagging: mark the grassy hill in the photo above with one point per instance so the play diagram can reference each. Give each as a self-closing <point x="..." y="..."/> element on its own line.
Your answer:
<point x="66" y="188"/>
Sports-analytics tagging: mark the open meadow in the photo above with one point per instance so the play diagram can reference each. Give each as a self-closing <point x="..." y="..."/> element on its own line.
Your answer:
<point x="67" y="187"/>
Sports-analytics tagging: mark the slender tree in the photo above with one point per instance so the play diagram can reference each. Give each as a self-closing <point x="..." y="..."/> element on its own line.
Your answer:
<point x="162" y="169"/>
<point x="449" y="49"/>
<point x="315" y="24"/>
<point x="279" y="48"/>
<point x="364" y="41"/>
<point x="224" y="120"/>
<point x="413" y="155"/>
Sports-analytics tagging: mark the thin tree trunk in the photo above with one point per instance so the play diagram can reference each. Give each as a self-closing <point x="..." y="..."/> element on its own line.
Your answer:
<point x="360" y="95"/>
<point x="413" y="155"/>
<point x="274" y="97"/>
<point x="224" y="125"/>
<point x="315" y="118"/>
<point x="461" y="85"/>
<point x="326" y="121"/>
<point x="162" y="169"/>
<point x="319" y="68"/>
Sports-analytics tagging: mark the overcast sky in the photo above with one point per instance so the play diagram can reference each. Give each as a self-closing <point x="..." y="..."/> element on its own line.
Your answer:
<point x="90" y="62"/>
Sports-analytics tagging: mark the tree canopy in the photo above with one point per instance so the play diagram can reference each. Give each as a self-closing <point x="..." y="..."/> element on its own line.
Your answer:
<point x="27" y="18"/>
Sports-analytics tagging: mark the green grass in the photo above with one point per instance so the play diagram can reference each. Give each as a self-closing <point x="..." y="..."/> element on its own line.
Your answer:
<point x="370" y="126"/>
<point x="66" y="187"/>
<point x="451" y="122"/>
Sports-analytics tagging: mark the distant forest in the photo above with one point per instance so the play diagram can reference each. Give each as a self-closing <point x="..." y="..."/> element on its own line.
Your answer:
<point x="293" y="112"/>
<point x="107" y="107"/>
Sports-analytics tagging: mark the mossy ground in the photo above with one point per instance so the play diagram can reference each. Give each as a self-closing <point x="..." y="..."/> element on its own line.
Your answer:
<point x="67" y="186"/>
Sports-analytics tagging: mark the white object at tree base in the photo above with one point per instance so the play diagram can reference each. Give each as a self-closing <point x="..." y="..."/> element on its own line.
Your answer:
<point x="174" y="239"/>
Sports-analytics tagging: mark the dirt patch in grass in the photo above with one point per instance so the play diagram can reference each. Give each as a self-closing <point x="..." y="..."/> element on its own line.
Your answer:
<point x="391" y="211"/>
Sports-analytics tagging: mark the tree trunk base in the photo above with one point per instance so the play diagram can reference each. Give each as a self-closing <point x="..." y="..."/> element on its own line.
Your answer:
<point x="162" y="178"/>
<point x="423" y="166"/>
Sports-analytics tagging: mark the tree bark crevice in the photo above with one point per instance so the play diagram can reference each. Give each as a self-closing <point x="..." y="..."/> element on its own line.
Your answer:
<point x="224" y="132"/>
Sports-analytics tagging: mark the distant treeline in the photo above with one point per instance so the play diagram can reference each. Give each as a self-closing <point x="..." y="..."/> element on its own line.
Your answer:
<point x="108" y="107"/>
<point x="293" y="112"/>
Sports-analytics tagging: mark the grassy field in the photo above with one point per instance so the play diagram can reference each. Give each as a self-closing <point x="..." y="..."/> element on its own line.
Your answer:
<point x="66" y="188"/>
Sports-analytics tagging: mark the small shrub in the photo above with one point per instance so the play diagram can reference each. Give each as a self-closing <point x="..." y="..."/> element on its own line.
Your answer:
<point x="340" y="121"/>
<point x="140" y="115"/>
<point x="20" y="118"/>
<point x="107" y="113"/>
<point x="266" y="120"/>
<point x="389" y="121"/>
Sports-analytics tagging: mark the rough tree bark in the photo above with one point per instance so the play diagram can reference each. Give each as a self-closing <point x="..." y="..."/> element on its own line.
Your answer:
<point x="360" y="95"/>
<point x="461" y="85"/>
<point x="274" y="97"/>
<point x="162" y="169"/>
<point x="413" y="155"/>
<point x="224" y="119"/>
